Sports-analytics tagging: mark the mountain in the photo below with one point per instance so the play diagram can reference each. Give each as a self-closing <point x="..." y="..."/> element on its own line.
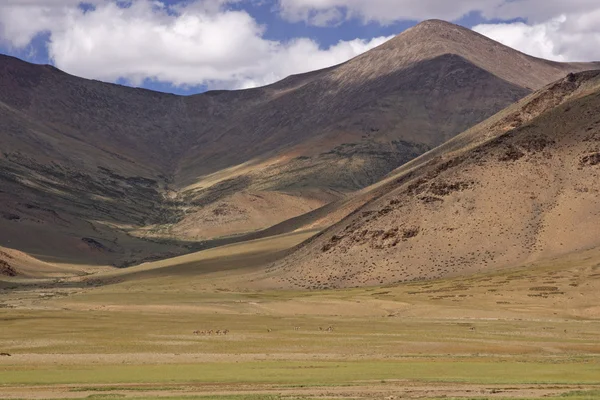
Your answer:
<point x="522" y="186"/>
<point x="95" y="173"/>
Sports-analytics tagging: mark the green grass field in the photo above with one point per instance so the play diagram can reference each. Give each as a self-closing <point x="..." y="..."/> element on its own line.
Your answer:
<point x="316" y="373"/>
<point x="575" y="395"/>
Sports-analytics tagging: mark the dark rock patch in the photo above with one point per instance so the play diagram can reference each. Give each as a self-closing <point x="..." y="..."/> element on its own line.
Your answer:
<point x="535" y="144"/>
<point x="431" y="199"/>
<point x="10" y="216"/>
<point x="410" y="233"/>
<point x="6" y="269"/>
<point x="590" y="160"/>
<point x="444" y="189"/>
<point x="335" y="239"/>
<point x="512" y="154"/>
<point x="95" y="245"/>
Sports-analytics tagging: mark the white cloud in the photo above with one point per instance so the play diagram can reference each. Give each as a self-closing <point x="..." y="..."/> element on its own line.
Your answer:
<point x="46" y="3"/>
<point x="302" y="55"/>
<point x="536" y="40"/>
<point x="382" y="11"/>
<point x="537" y="11"/>
<point x="387" y="11"/>
<point x="567" y="37"/>
<point x="555" y="29"/>
<point x="208" y="42"/>
<point x="199" y="42"/>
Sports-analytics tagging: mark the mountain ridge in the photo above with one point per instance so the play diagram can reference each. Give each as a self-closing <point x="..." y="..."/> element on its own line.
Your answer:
<point x="146" y="173"/>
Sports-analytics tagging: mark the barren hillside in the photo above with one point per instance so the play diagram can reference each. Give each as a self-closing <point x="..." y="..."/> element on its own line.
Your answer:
<point x="520" y="187"/>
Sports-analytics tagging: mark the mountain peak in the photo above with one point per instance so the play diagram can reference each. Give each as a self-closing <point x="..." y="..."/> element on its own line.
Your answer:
<point x="435" y="23"/>
<point x="434" y="38"/>
<point x="437" y="29"/>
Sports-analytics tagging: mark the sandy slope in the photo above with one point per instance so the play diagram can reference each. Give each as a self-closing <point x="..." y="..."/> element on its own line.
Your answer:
<point x="528" y="192"/>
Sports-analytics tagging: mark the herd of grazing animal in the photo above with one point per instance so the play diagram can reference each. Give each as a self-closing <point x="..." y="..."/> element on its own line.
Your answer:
<point x="269" y="330"/>
<point x="297" y="328"/>
<point x="211" y="332"/>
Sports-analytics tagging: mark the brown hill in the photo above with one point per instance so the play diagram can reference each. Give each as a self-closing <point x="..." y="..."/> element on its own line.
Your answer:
<point x="99" y="173"/>
<point x="519" y="187"/>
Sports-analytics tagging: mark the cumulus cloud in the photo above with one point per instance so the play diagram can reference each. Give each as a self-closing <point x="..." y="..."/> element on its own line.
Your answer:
<point x="540" y="40"/>
<point x="536" y="11"/>
<point x="191" y="43"/>
<point x="303" y="55"/>
<point x="570" y="36"/>
<point x="212" y="43"/>
<point x="555" y="29"/>
<point x="322" y="12"/>
<point x="388" y="11"/>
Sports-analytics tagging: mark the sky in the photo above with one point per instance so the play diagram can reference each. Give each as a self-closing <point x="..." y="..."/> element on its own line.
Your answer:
<point x="190" y="46"/>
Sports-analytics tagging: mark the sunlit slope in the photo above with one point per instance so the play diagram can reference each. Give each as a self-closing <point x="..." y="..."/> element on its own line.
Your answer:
<point x="520" y="187"/>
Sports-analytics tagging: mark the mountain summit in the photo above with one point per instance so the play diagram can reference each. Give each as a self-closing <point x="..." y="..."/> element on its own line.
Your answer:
<point x="434" y="38"/>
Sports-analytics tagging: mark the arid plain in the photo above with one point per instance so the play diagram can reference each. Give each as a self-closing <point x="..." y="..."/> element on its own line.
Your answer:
<point x="528" y="332"/>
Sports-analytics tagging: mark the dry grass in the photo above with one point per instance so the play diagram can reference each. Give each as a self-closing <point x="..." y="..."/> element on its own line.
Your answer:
<point x="450" y="337"/>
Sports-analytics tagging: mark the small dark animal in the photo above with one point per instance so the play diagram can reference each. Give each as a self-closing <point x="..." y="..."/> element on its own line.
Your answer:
<point x="5" y="355"/>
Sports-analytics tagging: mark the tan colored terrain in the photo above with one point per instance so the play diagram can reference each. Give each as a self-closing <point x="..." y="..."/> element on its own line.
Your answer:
<point x="468" y="271"/>
<point x="525" y="332"/>
<point x="93" y="173"/>
<point x="520" y="187"/>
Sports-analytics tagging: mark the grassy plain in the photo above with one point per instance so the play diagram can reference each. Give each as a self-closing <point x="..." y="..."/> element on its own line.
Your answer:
<point x="529" y="332"/>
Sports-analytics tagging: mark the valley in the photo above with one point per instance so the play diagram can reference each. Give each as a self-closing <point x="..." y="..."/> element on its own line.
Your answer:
<point x="528" y="332"/>
<point x="419" y="222"/>
<point x="110" y="175"/>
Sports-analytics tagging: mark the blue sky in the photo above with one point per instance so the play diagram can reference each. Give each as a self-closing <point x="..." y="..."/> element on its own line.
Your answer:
<point x="276" y="29"/>
<point x="190" y="46"/>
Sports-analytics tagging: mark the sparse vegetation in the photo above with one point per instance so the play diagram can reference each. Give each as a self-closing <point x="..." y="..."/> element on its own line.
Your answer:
<point x="468" y="272"/>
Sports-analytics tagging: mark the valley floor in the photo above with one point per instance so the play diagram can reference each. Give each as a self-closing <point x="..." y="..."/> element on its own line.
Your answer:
<point x="530" y="332"/>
